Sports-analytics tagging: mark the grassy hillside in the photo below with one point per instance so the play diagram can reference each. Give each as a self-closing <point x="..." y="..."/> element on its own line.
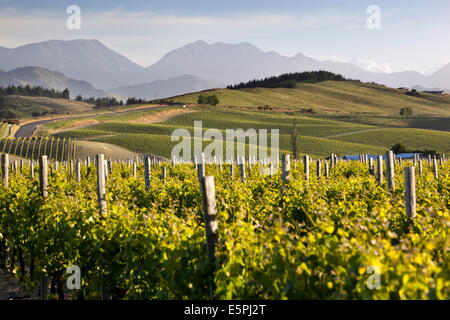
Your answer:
<point x="319" y="136"/>
<point x="434" y="123"/>
<point x="19" y="107"/>
<point x="350" y="118"/>
<point x="90" y="148"/>
<point x="413" y="139"/>
<point x="332" y="97"/>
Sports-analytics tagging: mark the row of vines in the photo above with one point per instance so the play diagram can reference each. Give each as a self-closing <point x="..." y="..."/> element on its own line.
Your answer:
<point x="32" y="148"/>
<point x="316" y="238"/>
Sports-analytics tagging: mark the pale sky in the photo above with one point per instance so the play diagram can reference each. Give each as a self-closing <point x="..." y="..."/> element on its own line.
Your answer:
<point x="414" y="34"/>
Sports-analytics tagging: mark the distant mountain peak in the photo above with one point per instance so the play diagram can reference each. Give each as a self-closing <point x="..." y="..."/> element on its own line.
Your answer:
<point x="84" y="59"/>
<point x="42" y="77"/>
<point x="446" y="67"/>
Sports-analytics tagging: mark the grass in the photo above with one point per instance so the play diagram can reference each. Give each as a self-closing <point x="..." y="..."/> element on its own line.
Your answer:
<point x="331" y="97"/>
<point x="413" y="139"/>
<point x="23" y="107"/>
<point x="352" y="118"/>
<point x="90" y="149"/>
<point x="156" y="138"/>
<point x="51" y="127"/>
<point x="432" y="123"/>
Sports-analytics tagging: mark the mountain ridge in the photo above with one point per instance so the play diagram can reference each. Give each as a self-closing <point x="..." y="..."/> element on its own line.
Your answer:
<point x="81" y="59"/>
<point x="38" y="76"/>
<point x="90" y="60"/>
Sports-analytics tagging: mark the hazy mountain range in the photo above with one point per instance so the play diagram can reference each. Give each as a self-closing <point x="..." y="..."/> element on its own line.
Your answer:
<point x="196" y="66"/>
<point x="41" y="77"/>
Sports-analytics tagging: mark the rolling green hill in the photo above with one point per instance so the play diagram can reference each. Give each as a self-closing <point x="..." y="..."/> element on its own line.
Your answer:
<point x="349" y="118"/>
<point x="19" y="107"/>
<point x="319" y="136"/>
<point x="331" y="97"/>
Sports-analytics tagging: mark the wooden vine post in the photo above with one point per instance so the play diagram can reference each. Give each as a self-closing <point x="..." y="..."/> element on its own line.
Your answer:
<point x="242" y="167"/>
<point x="106" y="170"/>
<point x="318" y="169"/>
<point x="5" y="169"/>
<point x="211" y="224"/>
<point x="371" y="167"/>
<point x="390" y="170"/>
<point x="380" y="169"/>
<point x="147" y="169"/>
<point x="210" y="215"/>
<point x="101" y="184"/>
<point x="32" y="169"/>
<point x="306" y="167"/>
<point x="43" y="179"/>
<point x="435" y="168"/>
<point x="201" y="169"/>
<point x="410" y="192"/>
<point x="78" y="171"/>
<point x="43" y="176"/>
<point x="286" y="169"/>
<point x="164" y="174"/>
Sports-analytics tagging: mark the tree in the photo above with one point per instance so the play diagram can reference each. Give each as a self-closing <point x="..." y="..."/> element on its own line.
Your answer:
<point x="413" y="93"/>
<point x="399" y="148"/>
<point x="66" y="94"/>
<point x="201" y="99"/>
<point x="213" y="100"/>
<point x="406" y="111"/>
<point x="295" y="141"/>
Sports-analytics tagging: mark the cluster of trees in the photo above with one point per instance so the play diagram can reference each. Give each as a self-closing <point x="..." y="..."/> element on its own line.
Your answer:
<point x="136" y="101"/>
<point x="290" y="80"/>
<point x="111" y="102"/>
<point x="406" y="111"/>
<point x="34" y="92"/>
<point x="413" y="93"/>
<point x="100" y="102"/>
<point x="400" y="148"/>
<point x="211" y="100"/>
